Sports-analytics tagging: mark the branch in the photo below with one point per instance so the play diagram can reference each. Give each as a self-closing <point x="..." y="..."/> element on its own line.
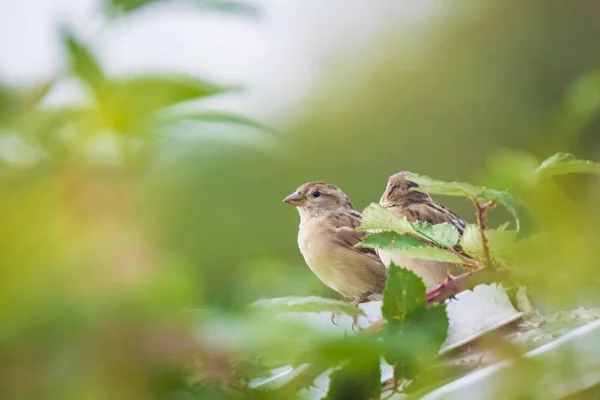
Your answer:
<point x="303" y="380"/>
<point x="467" y="281"/>
<point x="482" y="210"/>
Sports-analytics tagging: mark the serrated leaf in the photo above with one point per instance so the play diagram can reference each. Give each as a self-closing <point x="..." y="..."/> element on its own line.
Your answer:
<point x="564" y="163"/>
<point x="359" y="379"/>
<point x="378" y="217"/>
<point x="392" y="240"/>
<point x="445" y="234"/>
<point x="408" y="246"/>
<point x="307" y="304"/>
<point x="82" y="61"/>
<point x="472" y="192"/>
<point x="434" y="186"/>
<point x="499" y="241"/>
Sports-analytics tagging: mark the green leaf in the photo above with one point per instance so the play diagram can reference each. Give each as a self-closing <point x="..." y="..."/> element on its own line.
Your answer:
<point x="580" y="106"/>
<point x="392" y="241"/>
<point x="474" y="193"/>
<point x="404" y="295"/>
<point x="499" y="241"/>
<point x="376" y="216"/>
<point x="359" y="379"/>
<point x="306" y="304"/>
<point x="445" y="234"/>
<point x="214" y="117"/>
<point x="82" y="62"/>
<point x="409" y="246"/>
<point x="128" y="104"/>
<point x="413" y="333"/>
<point x="508" y="201"/>
<point x="118" y="7"/>
<point x="433" y="186"/>
<point x="564" y="163"/>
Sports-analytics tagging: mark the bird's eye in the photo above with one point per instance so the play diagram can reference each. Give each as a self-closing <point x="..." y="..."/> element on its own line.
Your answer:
<point x="316" y="194"/>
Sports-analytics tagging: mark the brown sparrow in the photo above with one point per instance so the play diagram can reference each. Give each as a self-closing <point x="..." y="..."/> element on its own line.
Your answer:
<point x="327" y="239"/>
<point x="418" y="206"/>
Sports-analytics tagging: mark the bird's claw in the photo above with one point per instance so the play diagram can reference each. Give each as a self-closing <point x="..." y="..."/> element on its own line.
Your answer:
<point x="355" y="323"/>
<point x="333" y="319"/>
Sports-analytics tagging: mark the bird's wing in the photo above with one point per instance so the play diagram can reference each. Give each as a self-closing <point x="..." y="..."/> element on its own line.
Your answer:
<point x="345" y="224"/>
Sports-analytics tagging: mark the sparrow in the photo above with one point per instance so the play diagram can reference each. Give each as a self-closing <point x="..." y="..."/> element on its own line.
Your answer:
<point x="403" y="201"/>
<point x="327" y="239"/>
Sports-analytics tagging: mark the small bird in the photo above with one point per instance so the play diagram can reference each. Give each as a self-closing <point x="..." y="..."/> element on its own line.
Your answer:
<point x="418" y="206"/>
<point x="327" y="239"/>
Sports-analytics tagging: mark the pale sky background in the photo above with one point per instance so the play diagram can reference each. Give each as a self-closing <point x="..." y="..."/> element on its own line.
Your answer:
<point x="276" y="58"/>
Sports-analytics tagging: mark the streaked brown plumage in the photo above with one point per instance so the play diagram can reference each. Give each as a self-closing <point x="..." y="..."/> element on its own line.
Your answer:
<point x="418" y="206"/>
<point x="327" y="237"/>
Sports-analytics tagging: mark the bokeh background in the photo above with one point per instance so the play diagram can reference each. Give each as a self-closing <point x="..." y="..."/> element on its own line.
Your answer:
<point x="95" y="217"/>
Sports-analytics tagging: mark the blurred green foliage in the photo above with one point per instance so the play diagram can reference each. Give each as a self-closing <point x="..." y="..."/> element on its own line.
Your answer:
<point x="100" y="255"/>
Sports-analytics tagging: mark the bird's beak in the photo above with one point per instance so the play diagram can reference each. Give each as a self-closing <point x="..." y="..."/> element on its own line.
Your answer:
<point x="295" y="199"/>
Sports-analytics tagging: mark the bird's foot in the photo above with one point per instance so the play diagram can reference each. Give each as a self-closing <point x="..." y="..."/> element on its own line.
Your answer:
<point x="359" y="299"/>
<point x="333" y="319"/>
<point x="355" y="326"/>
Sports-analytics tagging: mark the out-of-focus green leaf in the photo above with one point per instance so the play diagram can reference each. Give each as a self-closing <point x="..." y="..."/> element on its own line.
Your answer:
<point x="580" y="106"/>
<point x="378" y="217"/>
<point x="307" y="304"/>
<point x="118" y="7"/>
<point x="82" y="61"/>
<point x="359" y="379"/>
<point x="128" y="105"/>
<point x="212" y="116"/>
<point x="499" y="241"/>
<point x="409" y="246"/>
<point x="564" y="163"/>
<point x="413" y="333"/>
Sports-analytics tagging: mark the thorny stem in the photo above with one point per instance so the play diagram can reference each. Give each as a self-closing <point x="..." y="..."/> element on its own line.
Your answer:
<point x="304" y="379"/>
<point x="392" y="384"/>
<point x="467" y="261"/>
<point x="482" y="210"/>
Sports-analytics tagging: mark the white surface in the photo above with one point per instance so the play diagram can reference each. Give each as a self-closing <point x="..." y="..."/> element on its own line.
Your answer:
<point x="579" y="350"/>
<point x="475" y="312"/>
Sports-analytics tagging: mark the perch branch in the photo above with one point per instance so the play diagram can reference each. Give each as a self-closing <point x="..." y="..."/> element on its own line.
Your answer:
<point x="482" y="210"/>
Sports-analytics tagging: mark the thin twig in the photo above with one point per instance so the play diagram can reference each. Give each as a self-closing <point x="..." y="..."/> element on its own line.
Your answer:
<point x="481" y="217"/>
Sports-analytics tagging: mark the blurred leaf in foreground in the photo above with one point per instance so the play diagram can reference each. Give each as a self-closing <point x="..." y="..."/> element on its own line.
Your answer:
<point x="359" y="379"/>
<point x="307" y="304"/>
<point x="564" y="163"/>
<point x="119" y="7"/>
<point x="414" y="332"/>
